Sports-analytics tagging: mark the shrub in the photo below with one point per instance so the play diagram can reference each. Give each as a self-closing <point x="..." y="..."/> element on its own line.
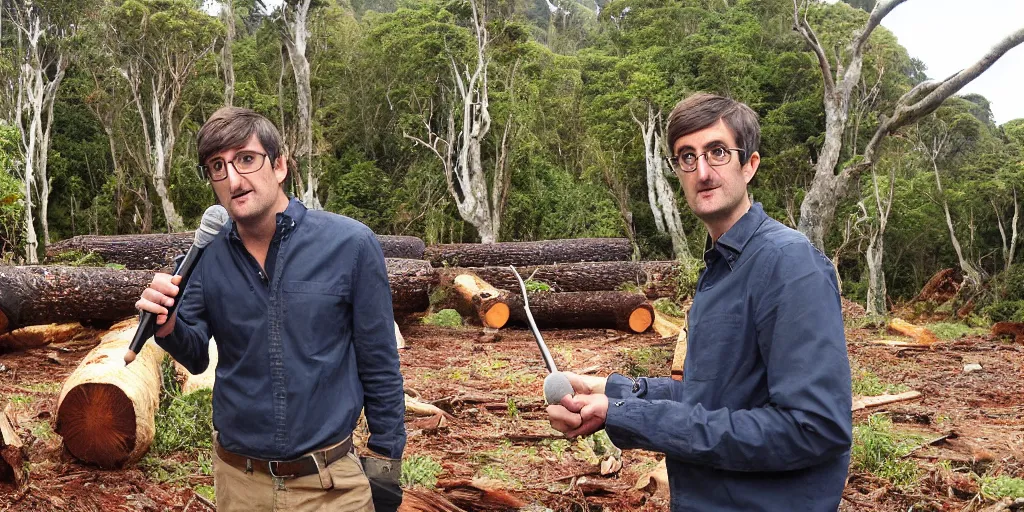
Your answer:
<point x="444" y="318"/>
<point x="419" y="470"/>
<point x="879" y="449"/>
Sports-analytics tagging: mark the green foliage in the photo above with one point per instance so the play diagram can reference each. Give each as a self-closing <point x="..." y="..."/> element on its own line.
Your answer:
<point x="1005" y="311"/>
<point x="444" y="318"/>
<point x="513" y="409"/>
<point x="866" y="383"/>
<point x="878" y="449"/>
<point x="667" y="306"/>
<point x="646" y="361"/>
<point x="533" y="286"/>
<point x="12" y="204"/>
<point x="557" y="446"/>
<point x="594" y="448"/>
<point x="952" y="330"/>
<point x="184" y="423"/>
<point x="78" y="259"/>
<point x="687" y="274"/>
<point x="420" y="470"/>
<point x="1009" y="285"/>
<point x="1002" y="486"/>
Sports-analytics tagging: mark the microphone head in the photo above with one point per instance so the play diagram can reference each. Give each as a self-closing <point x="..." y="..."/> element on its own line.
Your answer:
<point x="214" y="219"/>
<point x="556" y="386"/>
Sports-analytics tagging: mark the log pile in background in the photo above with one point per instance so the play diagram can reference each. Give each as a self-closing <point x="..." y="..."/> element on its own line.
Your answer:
<point x="543" y="252"/>
<point x="106" y="411"/>
<point x="625" y="311"/>
<point x="411" y="284"/>
<point x="157" y="252"/>
<point x="38" y="335"/>
<point x="656" y="279"/>
<point x="39" y="295"/>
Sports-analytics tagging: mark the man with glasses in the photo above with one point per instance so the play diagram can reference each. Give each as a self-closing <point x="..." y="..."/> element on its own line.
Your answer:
<point x="761" y="418"/>
<point x="300" y="306"/>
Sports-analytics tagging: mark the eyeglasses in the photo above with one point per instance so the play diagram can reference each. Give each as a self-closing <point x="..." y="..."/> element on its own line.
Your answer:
<point x="687" y="162"/>
<point x="245" y="162"/>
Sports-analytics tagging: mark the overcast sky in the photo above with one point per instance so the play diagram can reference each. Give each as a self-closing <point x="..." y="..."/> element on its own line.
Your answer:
<point x="949" y="35"/>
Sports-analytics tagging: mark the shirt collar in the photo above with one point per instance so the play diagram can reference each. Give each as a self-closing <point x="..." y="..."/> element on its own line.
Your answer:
<point x="732" y="242"/>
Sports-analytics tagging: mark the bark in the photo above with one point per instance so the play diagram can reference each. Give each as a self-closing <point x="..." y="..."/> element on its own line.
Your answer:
<point x="659" y="191"/>
<point x="157" y="251"/>
<point x="876" y="299"/>
<point x="411" y="283"/>
<point x="295" y="36"/>
<point x="37" y="336"/>
<point x="191" y="383"/>
<point x="1011" y="249"/>
<point x="655" y="279"/>
<point x="827" y="187"/>
<point x="543" y="252"/>
<point x="618" y="310"/>
<point x="12" y="454"/>
<point x="227" y="57"/>
<point x="106" y="412"/>
<point x="39" y="295"/>
<point x="479" y="299"/>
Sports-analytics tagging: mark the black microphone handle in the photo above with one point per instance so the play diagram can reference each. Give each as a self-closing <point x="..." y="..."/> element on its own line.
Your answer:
<point x="147" y="320"/>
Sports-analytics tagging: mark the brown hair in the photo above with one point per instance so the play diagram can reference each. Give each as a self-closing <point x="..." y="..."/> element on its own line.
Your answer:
<point x="231" y="128"/>
<point x="702" y="110"/>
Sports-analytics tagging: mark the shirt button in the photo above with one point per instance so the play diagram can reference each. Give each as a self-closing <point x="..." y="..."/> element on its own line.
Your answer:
<point x="620" y="403"/>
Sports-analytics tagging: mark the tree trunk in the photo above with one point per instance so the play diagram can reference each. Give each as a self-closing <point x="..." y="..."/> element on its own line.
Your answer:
<point x="191" y="383"/>
<point x="37" y="336"/>
<point x="157" y="251"/>
<point x="656" y="279"/>
<point x="226" y="53"/>
<point x="481" y="300"/>
<point x="295" y="36"/>
<point x="45" y="294"/>
<point x="659" y="192"/>
<point x="619" y="310"/>
<point x="876" y="305"/>
<point x="411" y="284"/>
<point x="543" y="252"/>
<point x="106" y="412"/>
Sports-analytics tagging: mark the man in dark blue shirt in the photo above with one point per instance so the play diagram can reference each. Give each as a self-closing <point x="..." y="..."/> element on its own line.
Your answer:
<point x="300" y="306"/>
<point x="761" y="419"/>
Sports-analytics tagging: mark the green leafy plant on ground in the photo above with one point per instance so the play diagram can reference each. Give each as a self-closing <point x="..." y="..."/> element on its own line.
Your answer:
<point x="866" y="383"/>
<point x="79" y="259"/>
<point x="879" y="449"/>
<point x="647" y="361"/>
<point x="536" y="286"/>
<point x="420" y="470"/>
<point x="952" y="330"/>
<point x="1003" y="486"/>
<point x="444" y="318"/>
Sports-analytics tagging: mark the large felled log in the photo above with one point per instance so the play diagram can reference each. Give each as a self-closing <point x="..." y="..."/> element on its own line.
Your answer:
<point x="38" y="335"/>
<point x="620" y="310"/>
<point x="656" y="279"/>
<point x="49" y="294"/>
<point x="484" y="301"/>
<point x="106" y="410"/>
<point x="544" y="252"/>
<point x="411" y="283"/>
<point x="921" y="335"/>
<point x="157" y="251"/>
<point x="205" y="380"/>
<point x="42" y="295"/>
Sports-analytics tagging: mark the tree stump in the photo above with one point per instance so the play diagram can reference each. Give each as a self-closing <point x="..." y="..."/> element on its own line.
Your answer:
<point x="619" y="310"/>
<point x="481" y="300"/>
<point x="106" y="412"/>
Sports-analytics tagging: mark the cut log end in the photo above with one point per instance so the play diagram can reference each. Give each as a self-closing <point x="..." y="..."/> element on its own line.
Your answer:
<point x="97" y="422"/>
<point x="497" y="316"/>
<point x="641" y="319"/>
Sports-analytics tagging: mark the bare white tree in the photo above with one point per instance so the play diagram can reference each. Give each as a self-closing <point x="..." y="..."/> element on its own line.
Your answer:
<point x="660" y="195"/>
<point x="840" y="79"/>
<point x="1009" y="249"/>
<point x="295" y="18"/>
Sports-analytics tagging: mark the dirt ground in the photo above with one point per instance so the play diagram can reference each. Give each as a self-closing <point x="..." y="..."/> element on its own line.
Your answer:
<point x="491" y="383"/>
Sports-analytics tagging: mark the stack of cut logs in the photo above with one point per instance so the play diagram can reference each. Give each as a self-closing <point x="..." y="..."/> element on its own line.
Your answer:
<point x="105" y="411"/>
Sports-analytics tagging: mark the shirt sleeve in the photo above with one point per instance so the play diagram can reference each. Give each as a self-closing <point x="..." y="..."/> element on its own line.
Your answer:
<point x="649" y="388"/>
<point x="807" y="419"/>
<point x="377" y="351"/>
<point x="189" y="341"/>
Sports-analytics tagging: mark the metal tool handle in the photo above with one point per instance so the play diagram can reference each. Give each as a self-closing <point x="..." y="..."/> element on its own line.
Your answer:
<point x="548" y="362"/>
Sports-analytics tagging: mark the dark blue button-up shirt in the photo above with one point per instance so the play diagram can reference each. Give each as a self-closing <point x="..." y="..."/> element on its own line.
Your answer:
<point x="302" y="347"/>
<point x="761" y="420"/>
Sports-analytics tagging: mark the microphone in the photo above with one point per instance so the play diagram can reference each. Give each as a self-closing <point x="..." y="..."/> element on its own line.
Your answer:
<point x="556" y="384"/>
<point x="213" y="220"/>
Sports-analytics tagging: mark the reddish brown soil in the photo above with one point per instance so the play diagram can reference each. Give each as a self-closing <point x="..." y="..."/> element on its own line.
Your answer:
<point x="492" y="385"/>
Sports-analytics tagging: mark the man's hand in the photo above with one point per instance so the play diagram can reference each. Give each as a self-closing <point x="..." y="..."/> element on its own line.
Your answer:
<point x="157" y="298"/>
<point x="586" y="384"/>
<point x="580" y="415"/>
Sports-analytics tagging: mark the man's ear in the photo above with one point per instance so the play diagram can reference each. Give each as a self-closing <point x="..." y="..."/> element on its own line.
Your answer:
<point x="750" y="169"/>
<point x="281" y="168"/>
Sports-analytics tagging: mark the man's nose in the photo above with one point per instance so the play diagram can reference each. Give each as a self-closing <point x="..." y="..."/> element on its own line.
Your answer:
<point x="233" y="177"/>
<point x="704" y="168"/>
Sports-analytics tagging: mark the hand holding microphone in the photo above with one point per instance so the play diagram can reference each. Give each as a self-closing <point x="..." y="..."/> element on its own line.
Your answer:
<point x="161" y="299"/>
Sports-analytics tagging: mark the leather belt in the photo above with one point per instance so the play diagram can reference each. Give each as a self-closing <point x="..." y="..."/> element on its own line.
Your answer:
<point x="310" y="464"/>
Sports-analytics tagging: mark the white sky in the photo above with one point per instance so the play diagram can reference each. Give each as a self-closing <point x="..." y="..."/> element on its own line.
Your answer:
<point x="949" y="35"/>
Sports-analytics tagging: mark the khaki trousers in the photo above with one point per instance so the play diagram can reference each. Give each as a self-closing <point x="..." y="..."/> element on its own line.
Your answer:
<point x="238" y="491"/>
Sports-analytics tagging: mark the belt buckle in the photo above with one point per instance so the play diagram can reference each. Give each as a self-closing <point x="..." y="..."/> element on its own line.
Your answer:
<point x="271" y="466"/>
